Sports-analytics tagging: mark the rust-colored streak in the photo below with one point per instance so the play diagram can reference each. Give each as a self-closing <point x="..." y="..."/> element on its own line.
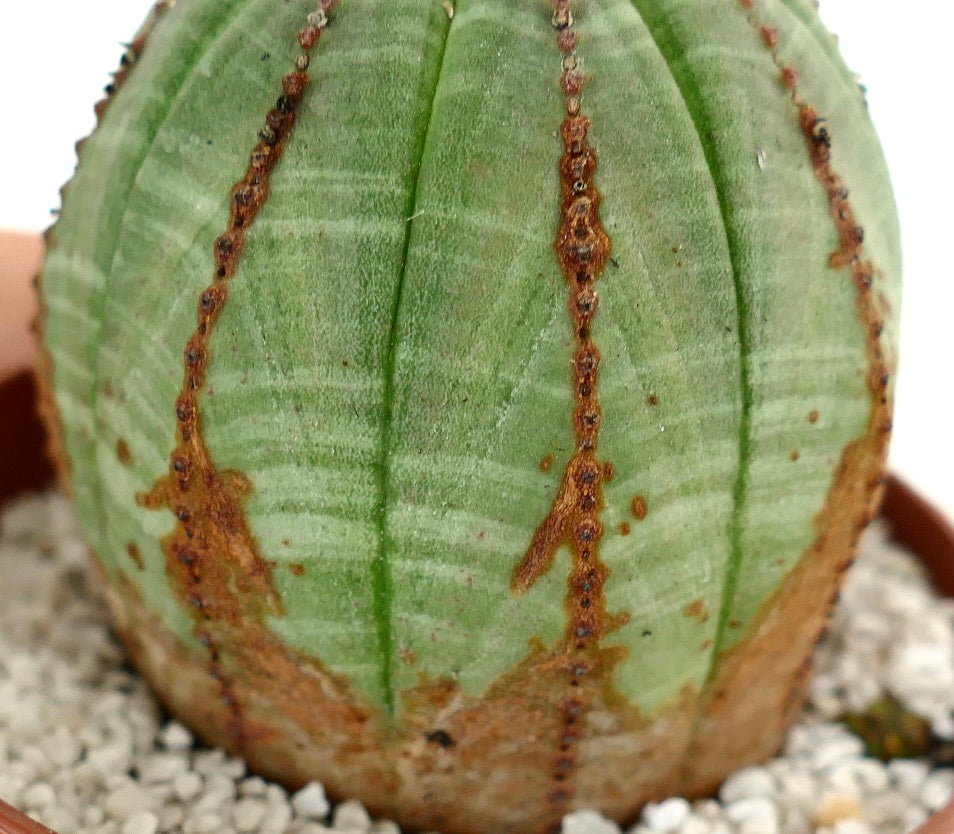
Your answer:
<point x="639" y="508"/>
<point x="46" y="402"/>
<point x="212" y="558"/>
<point x="582" y="248"/>
<point x="123" y="454"/>
<point x="697" y="610"/>
<point x="783" y="634"/>
<point x="850" y="253"/>
<point x="135" y="555"/>
<point x="769" y="36"/>
<point x="548" y="536"/>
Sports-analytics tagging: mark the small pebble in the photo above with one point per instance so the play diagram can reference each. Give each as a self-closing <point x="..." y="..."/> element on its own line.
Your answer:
<point x="694" y="824"/>
<point x="759" y="825"/>
<point x="798" y="789"/>
<point x="126" y="800"/>
<point x="938" y="789"/>
<point x="253" y="786"/>
<point x="588" y="822"/>
<point x="837" y="750"/>
<point x="142" y="822"/>
<point x="171" y="817"/>
<point x="666" y="816"/>
<point x="62" y="748"/>
<point x="851" y="826"/>
<point x="275" y="794"/>
<point x="757" y="809"/>
<point x="351" y="816"/>
<point x="175" y="736"/>
<point x="748" y="782"/>
<point x="38" y="796"/>
<point x="833" y="807"/>
<point x="913" y="817"/>
<point x="883" y="809"/>
<point x="310" y="802"/>
<point x="187" y="786"/>
<point x="309" y="828"/>
<point x="207" y="762"/>
<point x="162" y="767"/>
<point x="204" y="823"/>
<point x="248" y="813"/>
<point x="907" y="774"/>
<point x="277" y="817"/>
<point x="385" y="827"/>
<point x="870" y="775"/>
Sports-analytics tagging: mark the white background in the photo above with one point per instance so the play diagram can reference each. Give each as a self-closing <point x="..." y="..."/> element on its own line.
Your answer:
<point x="55" y="58"/>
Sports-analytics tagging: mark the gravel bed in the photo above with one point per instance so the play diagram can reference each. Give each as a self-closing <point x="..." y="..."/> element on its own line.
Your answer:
<point x="85" y="748"/>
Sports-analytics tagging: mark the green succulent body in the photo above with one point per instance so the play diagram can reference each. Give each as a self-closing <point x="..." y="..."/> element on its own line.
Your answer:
<point x="386" y="398"/>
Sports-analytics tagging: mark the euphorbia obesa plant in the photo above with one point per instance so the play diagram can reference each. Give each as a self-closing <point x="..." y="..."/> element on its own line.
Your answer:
<point x="474" y="405"/>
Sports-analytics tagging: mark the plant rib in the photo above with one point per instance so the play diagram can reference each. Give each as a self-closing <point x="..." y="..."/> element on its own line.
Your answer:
<point x="850" y="254"/>
<point x="849" y="506"/>
<point x="212" y="557"/>
<point x="380" y="568"/>
<point x="688" y="91"/>
<point x="56" y="448"/>
<point x="582" y="248"/>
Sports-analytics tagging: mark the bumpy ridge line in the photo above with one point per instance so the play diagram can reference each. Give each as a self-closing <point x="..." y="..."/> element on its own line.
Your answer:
<point x="850" y="252"/>
<point x="859" y="474"/>
<point x="582" y="248"/>
<point x="130" y="57"/>
<point x="46" y="405"/>
<point x="212" y="557"/>
<point x="108" y="245"/>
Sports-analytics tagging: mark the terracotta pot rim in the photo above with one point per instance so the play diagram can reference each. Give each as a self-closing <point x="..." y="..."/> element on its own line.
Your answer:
<point x="923" y="530"/>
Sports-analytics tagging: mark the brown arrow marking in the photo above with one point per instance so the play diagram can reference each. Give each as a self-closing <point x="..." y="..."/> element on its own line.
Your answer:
<point x="212" y="557"/>
<point x="582" y="248"/>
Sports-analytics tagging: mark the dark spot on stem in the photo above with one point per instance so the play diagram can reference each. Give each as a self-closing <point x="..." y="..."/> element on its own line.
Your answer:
<point x="441" y="738"/>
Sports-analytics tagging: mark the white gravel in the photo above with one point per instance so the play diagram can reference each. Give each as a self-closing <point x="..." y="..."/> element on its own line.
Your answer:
<point x="84" y="750"/>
